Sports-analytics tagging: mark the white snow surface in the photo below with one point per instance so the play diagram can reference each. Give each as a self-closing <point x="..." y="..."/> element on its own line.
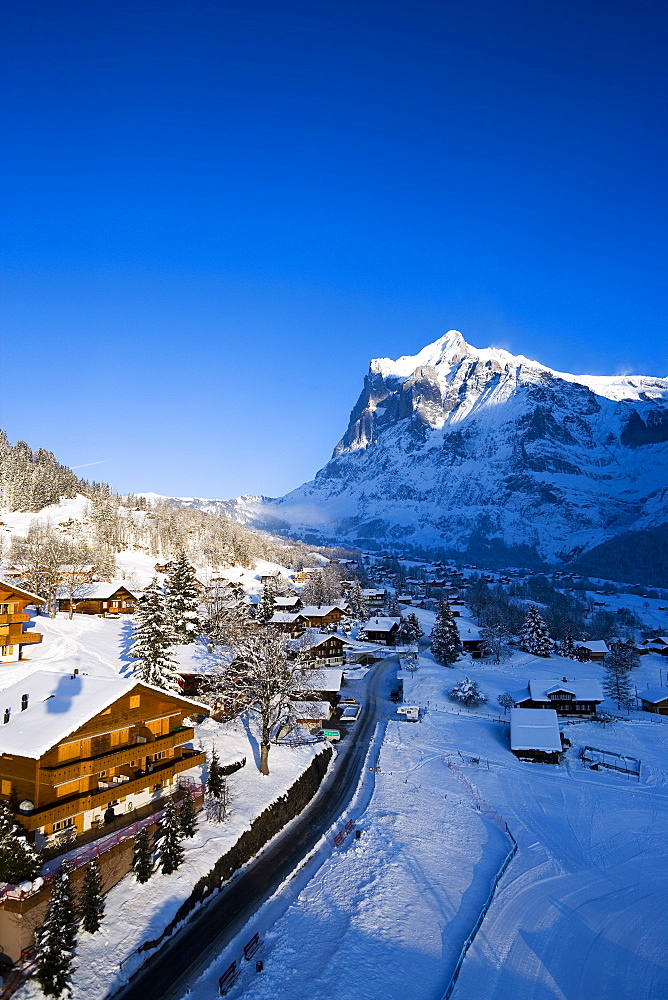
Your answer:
<point x="579" y="915"/>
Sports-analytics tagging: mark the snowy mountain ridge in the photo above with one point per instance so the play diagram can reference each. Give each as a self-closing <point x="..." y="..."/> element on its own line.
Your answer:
<point x="474" y="450"/>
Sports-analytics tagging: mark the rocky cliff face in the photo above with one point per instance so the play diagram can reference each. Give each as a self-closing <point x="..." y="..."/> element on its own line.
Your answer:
<point x="457" y="445"/>
<point x="471" y="449"/>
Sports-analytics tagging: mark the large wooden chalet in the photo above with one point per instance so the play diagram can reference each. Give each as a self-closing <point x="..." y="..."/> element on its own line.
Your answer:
<point x="113" y="598"/>
<point x="13" y="618"/>
<point x="579" y="697"/>
<point x="324" y="650"/>
<point x="79" y="751"/>
<point x="382" y="630"/>
<point x="654" y="700"/>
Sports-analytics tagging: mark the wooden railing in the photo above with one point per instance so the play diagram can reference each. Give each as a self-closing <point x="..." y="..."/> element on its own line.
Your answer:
<point x="14" y="618"/>
<point x="116" y="757"/>
<point x="68" y="808"/>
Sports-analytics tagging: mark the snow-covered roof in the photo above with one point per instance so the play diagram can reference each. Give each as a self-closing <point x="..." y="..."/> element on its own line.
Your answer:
<point x="104" y="591"/>
<point x="660" y="640"/>
<point x="316" y="639"/>
<point x="594" y="646"/>
<point x="315" y="611"/>
<point x="653" y="695"/>
<point x="370" y="592"/>
<point x="24" y="593"/>
<point x="380" y="624"/>
<point x="582" y="689"/>
<point x="326" y="679"/>
<point x="286" y="602"/>
<point x="311" y="709"/>
<point x="534" y="729"/>
<point x="59" y="704"/>
<point x="282" y="618"/>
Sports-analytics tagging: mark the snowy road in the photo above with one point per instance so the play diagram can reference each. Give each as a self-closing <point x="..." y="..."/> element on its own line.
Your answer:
<point x="169" y="973"/>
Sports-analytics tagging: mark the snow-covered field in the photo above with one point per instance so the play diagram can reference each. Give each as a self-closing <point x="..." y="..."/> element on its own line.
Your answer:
<point x="579" y="915"/>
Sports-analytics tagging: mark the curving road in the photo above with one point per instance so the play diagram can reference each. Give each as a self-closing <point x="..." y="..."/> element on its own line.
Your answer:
<point x="185" y="955"/>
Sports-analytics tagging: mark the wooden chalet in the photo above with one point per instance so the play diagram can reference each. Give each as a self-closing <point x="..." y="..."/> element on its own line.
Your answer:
<point x="659" y="644"/>
<point x="311" y="713"/>
<point x="113" y="598"/>
<point x="324" y="650"/>
<point x="303" y="575"/>
<point x="594" y="649"/>
<point x="317" y="616"/>
<point x="13" y="619"/>
<point x="289" y="604"/>
<point x="534" y="735"/>
<point x="654" y="700"/>
<point x="579" y="697"/>
<point x="382" y="630"/>
<point x="373" y="598"/>
<point x="78" y="752"/>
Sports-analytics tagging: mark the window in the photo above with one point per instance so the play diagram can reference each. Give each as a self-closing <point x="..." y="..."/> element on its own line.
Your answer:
<point x="7" y="650"/>
<point x="115" y="604"/>
<point x="6" y="788"/>
<point x="135" y="700"/>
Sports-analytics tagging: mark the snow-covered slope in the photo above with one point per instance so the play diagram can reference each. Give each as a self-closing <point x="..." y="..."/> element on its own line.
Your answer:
<point x="458" y="446"/>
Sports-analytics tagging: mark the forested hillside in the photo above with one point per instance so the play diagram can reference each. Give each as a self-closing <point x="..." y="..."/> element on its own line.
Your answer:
<point x="31" y="480"/>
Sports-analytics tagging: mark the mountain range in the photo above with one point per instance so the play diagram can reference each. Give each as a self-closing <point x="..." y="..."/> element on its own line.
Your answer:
<point x="480" y="452"/>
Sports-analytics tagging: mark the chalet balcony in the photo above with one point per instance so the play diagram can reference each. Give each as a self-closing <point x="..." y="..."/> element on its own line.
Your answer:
<point x="28" y="637"/>
<point x="14" y="619"/>
<point x="68" y="808"/>
<point x="71" y="770"/>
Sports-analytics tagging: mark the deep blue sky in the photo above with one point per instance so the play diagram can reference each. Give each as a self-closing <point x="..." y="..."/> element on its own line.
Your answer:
<point x="215" y="214"/>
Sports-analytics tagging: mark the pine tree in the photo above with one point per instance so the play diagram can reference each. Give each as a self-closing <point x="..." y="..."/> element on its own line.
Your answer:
<point x="153" y="639"/>
<point x="215" y="778"/>
<point x="617" y="666"/>
<point x="171" y="855"/>
<point x="266" y="604"/>
<point x="359" y="610"/>
<point x="534" y="636"/>
<point x="393" y="609"/>
<point x="55" y="941"/>
<point x="188" y="815"/>
<point x="142" y="862"/>
<point x="567" y="647"/>
<point x="468" y="693"/>
<point x="445" y="642"/>
<point x="19" y="859"/>
<point x="183" y="601"/>
<point x="91" y="903"/>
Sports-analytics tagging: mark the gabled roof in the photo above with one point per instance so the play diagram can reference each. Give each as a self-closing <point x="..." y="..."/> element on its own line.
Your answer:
<point x="380" y="624"/>
<point x="659" y="639"/>
<point x="286" y="602"/>
<point x="282" y="618"/>
<point x="58" y="705"/>
<point x="313" y="611"/>
<point x="34" y="598"/>
<point x="104" y="591"/>
<point x="582" y="689"/>
<point x="653" y="696"/>
<point x="325" y="679"/>
<point x="534" y="729"/>
<point x="593" y="645"/>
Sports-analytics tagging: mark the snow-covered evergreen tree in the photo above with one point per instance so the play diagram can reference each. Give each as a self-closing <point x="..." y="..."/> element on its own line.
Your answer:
<point x="410" y="629"/>
<point x="393" y="609"/>
<point x="266" y="604"/>
<point x="567" y="647"/>
<point x="183" y="601"/>
<point x="91" y="903"/>
<point x="534" y="636"/>
<point x="467" y="693"/>
<point x="495" y="636"/>
<point x="153" y="639"/>
<point x="359" y="609"/>
<point x="19" y="859"/>
<point x="445" y="642"/>
<point x="142" y="861"/>
<point x="171" y="848"/>
<point x="617" y="667"/>
<point x="188" y="815"/>
<point x="55" y="941"/>
<point x="215" y="777"/>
